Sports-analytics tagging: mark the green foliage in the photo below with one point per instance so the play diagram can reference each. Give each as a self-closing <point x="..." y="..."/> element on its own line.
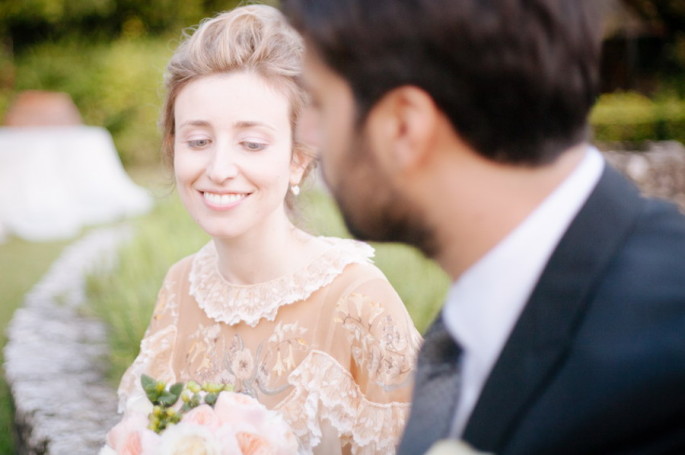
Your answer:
<point x="164" y="397"/>
<point x="118" y="86"/>
<point x="36" y="21"/>
<point x="6" y="420"/>
<point x="158" y="393"/>
<point x="633" y="118"/>
<point x="109" y="55"/>
<point x="124" y="297"/>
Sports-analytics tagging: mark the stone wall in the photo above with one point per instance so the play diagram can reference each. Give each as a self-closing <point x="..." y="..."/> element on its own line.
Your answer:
<point x="55" y="357"/>
<point x="659" y="171"/>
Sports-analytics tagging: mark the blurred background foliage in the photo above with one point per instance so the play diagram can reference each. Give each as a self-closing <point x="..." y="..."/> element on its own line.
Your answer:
<point x="643" y="73"/>
<point x="109" y="55"/>
<point x="632" y="118"/>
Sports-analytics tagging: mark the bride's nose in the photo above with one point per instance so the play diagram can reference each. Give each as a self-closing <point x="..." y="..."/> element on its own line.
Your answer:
<point x="222" y="165"/>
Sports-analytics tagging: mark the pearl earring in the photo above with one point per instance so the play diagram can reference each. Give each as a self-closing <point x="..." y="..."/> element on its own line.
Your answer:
<point x="295" y="189"/>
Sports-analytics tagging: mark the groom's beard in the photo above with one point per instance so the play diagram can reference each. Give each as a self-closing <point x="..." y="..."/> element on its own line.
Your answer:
<point x="372" y="207"/>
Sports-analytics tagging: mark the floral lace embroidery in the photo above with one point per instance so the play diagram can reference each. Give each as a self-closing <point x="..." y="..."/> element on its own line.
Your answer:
<point x="232" y="362"/>
<point x="323" y="389"/>
<point x="377" y="344"/>
<point x="230" y="303"/>
<point x="285" y="339"/>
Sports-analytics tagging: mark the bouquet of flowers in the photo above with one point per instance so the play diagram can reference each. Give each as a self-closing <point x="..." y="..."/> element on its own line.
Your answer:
<point x="192" y="419"/>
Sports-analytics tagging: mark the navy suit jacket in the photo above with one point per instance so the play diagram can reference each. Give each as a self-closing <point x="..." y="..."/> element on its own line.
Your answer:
<point x="596" y="362"/>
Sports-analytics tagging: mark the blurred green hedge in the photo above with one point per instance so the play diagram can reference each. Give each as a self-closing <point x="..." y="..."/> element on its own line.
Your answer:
<point x="116" y="85"/>
<point x="109" y="55"/>
<point x="630" y="117"/>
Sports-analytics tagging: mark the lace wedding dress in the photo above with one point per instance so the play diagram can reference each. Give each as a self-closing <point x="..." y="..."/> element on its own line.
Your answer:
<point x="331" y="347"/>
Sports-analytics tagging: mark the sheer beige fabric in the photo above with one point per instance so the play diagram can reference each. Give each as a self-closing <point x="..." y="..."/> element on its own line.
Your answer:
<point x="331" y="347"/>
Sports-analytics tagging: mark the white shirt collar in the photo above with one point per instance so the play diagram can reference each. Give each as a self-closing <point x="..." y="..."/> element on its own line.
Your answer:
<point x="485" y="302"/>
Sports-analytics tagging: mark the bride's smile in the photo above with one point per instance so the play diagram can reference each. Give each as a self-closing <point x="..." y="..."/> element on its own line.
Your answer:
<point x="223" y="201"/>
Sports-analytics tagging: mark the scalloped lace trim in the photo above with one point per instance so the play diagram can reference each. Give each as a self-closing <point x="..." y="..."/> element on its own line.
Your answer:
<point x="323" y="389"/>
<point x="231" y="303"/>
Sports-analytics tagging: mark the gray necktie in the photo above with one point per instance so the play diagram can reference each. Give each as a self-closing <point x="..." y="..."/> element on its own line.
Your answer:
<point x="436" y="391"/>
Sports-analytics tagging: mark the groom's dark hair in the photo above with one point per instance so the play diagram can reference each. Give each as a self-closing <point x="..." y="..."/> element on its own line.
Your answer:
<point x="516" y="78"/>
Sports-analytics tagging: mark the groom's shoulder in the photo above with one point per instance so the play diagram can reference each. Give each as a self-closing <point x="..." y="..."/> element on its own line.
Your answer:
<point x="656" y="243"/>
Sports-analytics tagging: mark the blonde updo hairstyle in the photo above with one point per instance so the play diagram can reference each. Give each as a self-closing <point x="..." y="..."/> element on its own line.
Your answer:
<point x="253" y="38"/>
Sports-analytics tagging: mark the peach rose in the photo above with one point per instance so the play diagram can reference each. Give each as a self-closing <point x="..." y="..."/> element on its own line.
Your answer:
<point x="252" y="444"/>
<point x="131" y="436"/>
<point x="258" y="430"/>
<point x="203" y="415"/>
<point x="239" y="410"/>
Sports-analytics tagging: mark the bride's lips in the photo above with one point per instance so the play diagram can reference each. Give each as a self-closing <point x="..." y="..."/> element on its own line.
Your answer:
<point x="222" y="201"/>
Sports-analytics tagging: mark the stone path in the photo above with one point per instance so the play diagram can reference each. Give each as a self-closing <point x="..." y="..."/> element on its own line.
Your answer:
<point x="659" y="171"/>
<point x="55" y="356"/>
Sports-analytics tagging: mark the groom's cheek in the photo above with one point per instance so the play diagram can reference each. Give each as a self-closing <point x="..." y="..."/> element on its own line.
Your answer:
<point x="308" y="132"/>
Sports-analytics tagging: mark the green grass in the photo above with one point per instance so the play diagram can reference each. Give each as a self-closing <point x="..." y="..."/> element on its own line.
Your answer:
<point x="21" y="266"/>
<point x="124" y="298"/>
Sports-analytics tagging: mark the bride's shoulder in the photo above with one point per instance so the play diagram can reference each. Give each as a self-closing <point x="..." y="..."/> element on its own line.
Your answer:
<point x="352" y="258"/>
<point x="356" y="252"/>
<point x="357" y="272"/>
<point x="182" y="267"/>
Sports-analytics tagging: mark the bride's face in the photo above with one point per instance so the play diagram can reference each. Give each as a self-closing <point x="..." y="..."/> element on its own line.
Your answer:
<point x="232" y="153"/>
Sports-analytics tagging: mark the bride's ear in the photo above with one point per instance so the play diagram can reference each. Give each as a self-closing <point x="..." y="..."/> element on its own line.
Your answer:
<point x="302" y="161"/>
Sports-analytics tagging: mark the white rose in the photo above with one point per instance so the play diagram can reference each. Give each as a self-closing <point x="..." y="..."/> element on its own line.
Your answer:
<point x="452" y="447"/>
<point x="138" y="403"/>
<point x="191" y="439"/>
<point x="107" y="450"/>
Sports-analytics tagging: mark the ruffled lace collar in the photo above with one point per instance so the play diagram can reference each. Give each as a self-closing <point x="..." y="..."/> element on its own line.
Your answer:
<point x="231" y="303"/>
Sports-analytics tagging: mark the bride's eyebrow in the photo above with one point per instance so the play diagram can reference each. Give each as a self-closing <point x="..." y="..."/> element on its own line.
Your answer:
<point x="239" y="125"/>
<point x="246" y="124"/>
<point x="193" y="123"/>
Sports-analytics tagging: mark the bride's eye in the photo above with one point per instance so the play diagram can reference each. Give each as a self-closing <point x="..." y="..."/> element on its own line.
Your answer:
<point x="253" y="146"/>
<point x="198" y="143"/>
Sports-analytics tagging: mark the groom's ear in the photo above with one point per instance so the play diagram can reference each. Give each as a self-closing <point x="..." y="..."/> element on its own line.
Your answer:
<point x="402" y="128"/>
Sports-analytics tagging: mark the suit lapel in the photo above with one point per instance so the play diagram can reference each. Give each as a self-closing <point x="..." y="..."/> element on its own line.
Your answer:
<point x="547" y="325"/>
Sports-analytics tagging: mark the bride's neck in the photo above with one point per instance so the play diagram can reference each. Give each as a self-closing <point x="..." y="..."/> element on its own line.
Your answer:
<point x="259" y="257"/>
